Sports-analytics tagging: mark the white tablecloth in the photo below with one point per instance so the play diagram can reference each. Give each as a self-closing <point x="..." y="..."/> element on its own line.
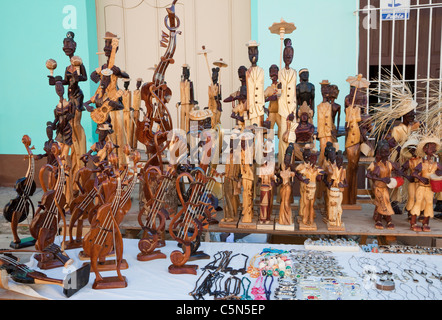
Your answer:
<point x="152" y="281"/>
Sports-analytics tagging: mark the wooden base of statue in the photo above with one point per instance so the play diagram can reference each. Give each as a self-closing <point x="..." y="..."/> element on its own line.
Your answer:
<point x="306" y="227"/>
<point x="75" y="244"/>
<point x="284" y="227"/>
<point x="228" y="224"/>
<point x="185" y="269"/>
<point x="155" y="255"/>
<point x="248" y="225"/>
<point x="83" y="256"/>
<point x="47" y="262"/>
<point x="266" y="225"/>
<point x="334" y="227"/>
<point x="110" y="283"/>
<point x="23" y="243"/>
<point x="110" y="265"/>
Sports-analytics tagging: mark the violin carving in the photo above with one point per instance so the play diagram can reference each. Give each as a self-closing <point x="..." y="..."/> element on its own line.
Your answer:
<point x="45" y="224"/>
<point x="155" y="212"/>
<point x="187" y="224"/>
<point x="156" y="94"/>
<point x="104" y="235"/>
<point x="17" y="209"/>
<point x="10" y="266"/>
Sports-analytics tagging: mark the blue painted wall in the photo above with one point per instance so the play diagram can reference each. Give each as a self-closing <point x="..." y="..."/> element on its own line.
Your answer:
<point x="32" y="32"/>
<point x="325" y="40"/>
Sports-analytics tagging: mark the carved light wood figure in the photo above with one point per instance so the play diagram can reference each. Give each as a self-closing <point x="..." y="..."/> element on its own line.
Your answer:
<point x="325" y="120"/>
<point x="187" y="101"/>
<point x="255" y="86"/>
<point x="136" y="106"/>
<point x="285" y="209"/>
<point x="266" y="178"/>
<point x="247" y="176"/>
<point x="272" y="94"/>
<point x="427" y="174"/>
<point x="239" y="100"/>
<point x="128" y="115"/>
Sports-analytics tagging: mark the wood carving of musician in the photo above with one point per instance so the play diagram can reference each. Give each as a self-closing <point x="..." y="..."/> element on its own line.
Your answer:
<point x="239" y="100"/>
<point x="255" y="86"/>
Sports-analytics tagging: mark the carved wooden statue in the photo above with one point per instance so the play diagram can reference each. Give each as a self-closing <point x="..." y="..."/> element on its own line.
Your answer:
<point x="336" y="109"/>
<point x="381" y="173"/>
<point x="239" y="100"/>
<point x="50" y="158"/>
<point x="309" y="174"/>
<point x="215" y="98"/>
<point x="247" y="176"/>
<point x="128" y="113"/>
<point x="305" y="95"/>
<point x="136" y="106"/>
<point x="325" y="120"/>
<point x="74" y="74"/>
<point x="285" y="209"/>
<point x="255" y="87"/>
<point x="266" y="178"/>
<point x="187" y="101"/>
<point x="272" y="94"/>
<point x="426" y="173"/>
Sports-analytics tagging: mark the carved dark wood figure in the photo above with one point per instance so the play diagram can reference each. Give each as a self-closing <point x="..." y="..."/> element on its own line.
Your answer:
<point x="156" y="94"/>
<point x="336" y="108"/>
<point x="50" y="158"/>
<point x="304" y="135"/>
<point x="46" y="222"/>
<point x="64" y="112"/>
<point x="18" y="209"/>
<point x="74" y="74"/>
<point x="381" y="173"/>
<point x="305" y="95"/>
<point x="238" y="100"/>
<point x="272" y="94"/>
<point x="215" y="98"/>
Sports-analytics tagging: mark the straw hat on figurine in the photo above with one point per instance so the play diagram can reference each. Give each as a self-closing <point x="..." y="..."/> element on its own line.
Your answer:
<point x="411" y="143"/>
<point x="401" y="103"/>
<point x="426" y="140"/>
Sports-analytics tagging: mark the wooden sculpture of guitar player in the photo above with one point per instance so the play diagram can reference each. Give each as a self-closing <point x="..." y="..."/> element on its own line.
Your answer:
<point x="99" y="115"/>
<point x="18" y="209"/>
<point x="74" y="74"/>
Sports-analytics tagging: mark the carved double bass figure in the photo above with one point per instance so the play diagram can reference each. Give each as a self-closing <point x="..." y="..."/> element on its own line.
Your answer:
<point x="18" y="209"/>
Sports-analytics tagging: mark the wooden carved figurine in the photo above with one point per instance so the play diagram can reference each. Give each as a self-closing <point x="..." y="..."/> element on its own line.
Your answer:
<point x="305" y="95"/>
<point x="74" y="74"/>
<point x="325" y="120"/>
<point x="335" y="180"/>
<point x="239" y="100"/>
<point x="255" y="87"/>
<point x="136" y="106"/>
<point x="336" y="109"/>
<point x="50" y="158"/>
<point x="215" y="98"/>
<point x="287" y="101"/>
<point x="427" y="174"/>
<point x="187" y="101"/>
<point x="272" y="94"/>
<point x="285" y="209"/>
<point x="381" y="173"/>
<point x="18" y="209"/>
<point x="247" y="176"/>
<point x="266" y="178"/>
<point x="309" y="174"/>
<point x="128" y="113"/>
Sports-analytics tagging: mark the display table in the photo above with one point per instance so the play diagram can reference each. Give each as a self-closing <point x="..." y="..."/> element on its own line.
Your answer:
<point x="152" y="281"/>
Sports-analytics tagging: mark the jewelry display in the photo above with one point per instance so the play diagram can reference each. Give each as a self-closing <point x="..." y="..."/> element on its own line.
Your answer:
<point x="332" y="245"/>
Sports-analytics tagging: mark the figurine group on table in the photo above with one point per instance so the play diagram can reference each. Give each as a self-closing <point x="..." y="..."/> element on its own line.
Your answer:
<point x="274" y="149"/>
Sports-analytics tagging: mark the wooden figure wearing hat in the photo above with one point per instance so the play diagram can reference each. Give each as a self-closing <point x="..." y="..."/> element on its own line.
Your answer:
<point x="324" y="119"/>
<point x="215" y="98"/>
<point x="239" y="100"/>
<point x="380" y="172"/>
<point x="309" y="173"/>
<point x="305" y="95"/>
<point x="187" y="101"/>
<point x="255" y="86"/>
<point x="426" y="173"/>
<point x="272" y="94"/>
